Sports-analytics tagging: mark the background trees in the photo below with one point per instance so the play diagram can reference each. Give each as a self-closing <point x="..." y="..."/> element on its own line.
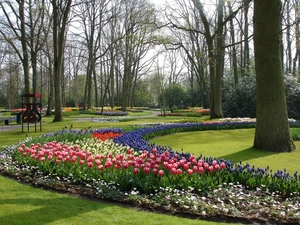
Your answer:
<point x="132" y="53"/>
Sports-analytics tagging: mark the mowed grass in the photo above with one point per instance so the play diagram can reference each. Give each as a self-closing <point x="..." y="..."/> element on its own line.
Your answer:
<point x="24" y="204"/>
<point x="234" y="145"/>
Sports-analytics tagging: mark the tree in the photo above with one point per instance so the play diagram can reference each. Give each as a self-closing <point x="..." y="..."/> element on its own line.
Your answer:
<point x="272" y="128"/>
<point x="61" y="10"/>
<point x="26" y="32"/>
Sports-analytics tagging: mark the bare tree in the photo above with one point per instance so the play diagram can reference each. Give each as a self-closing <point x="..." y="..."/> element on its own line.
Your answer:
<point x="137" y="24"/>
<point x="61" y="10"/>
<point x="25" y="32"/>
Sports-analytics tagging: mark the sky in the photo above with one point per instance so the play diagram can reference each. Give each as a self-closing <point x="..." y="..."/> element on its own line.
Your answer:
<point x="158" y="2"/>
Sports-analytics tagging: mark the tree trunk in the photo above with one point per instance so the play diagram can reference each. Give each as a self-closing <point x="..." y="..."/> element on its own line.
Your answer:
<point x="60" y="18"/>
<point x="272" y="128"/>
<point x="219" y="63"/>
<point x="233" y="48"/>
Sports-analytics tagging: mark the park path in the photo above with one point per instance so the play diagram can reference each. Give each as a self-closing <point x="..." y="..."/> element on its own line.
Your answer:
<point x="4" y="128"/>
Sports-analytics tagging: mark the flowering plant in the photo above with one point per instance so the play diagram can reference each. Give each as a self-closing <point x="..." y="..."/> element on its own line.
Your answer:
<point x="152" y="175"/>
<point x="109" y="156"/>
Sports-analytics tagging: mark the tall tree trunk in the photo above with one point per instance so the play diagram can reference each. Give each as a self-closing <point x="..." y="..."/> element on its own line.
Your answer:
<point x="219" y="63"/>
<point x="60" y="18"/>
<point x="272" y="128"/>
<point x="233" y="48"/>
<point x="246" y="41"/>
<point x="25" y="61"/>
<point x="297" y="37"/>
<point x="289" y="41"/>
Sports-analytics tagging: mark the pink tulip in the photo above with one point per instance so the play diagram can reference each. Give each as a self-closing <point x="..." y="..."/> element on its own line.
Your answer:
<point x="98" y="162"/>
<point x="189" y="171"/>
<point x="173" y="171"/>
<point x="135" y="170"/>
<point x="217" y="167"/>
<point x="179" y="171"/>
<point x="201" y="170"/>
<point x="100" y="167"/>
<point x="129" y="151"/>
<point x="146" y="170"/>
<point x="154" y="170"/>
<point x="154" y="150"/>
<point x="74" y="159"/>
<point x="67" y="159"/>
<point x="90" y="159"/>
<point x="186" y="166"/>
<point x="223" y="165"/>
<point x="214" y="163"/>
<point x="125" y="165"/>
<point x="161" y="173"/>
<point x="195" y="168"/>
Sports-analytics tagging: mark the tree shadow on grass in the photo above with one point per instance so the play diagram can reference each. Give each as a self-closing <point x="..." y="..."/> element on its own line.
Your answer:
<point x="43" y="211"/>
<point x="248" y="154"/>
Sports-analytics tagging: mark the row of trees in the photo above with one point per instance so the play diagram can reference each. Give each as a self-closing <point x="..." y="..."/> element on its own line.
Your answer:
<point x="105" y="52"/>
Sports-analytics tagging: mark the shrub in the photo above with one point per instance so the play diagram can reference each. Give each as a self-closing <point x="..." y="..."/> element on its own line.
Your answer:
<point x="240" y="100"/>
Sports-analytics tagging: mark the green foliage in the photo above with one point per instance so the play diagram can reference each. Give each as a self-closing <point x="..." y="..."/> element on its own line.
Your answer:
<point x="192" y="114"/>
<point x="240" y="100"/>
<point x="174" y="95"/>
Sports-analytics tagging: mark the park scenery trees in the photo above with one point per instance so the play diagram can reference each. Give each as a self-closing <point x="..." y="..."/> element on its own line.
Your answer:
<point x="107" y="59"/>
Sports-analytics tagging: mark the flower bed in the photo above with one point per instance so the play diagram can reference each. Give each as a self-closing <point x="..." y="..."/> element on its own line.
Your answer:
<point x="123" y="166"/>
<point x="111" y="113"/>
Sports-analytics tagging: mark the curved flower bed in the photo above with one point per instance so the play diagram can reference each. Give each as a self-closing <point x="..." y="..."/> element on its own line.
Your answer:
<point x="123" y="166"/>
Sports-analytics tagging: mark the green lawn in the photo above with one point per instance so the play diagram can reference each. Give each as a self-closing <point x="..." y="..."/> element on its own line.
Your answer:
<point x="234" y="145"/>
<point x="24" y="204"/>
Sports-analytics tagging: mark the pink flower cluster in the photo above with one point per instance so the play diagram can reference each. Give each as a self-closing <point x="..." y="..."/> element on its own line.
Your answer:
<point x="147" y="162"/>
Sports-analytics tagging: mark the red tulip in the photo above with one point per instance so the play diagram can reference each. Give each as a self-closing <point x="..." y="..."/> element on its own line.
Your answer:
<point x="186" y="166"/>
<point x="200" y="170"/>
<point x="146" y="170"/>
<point x="154" y="170"/>
<point x="195" y="168"/>
<point x="223" y="165"/>
<point x="135" y="170"/>
<point x="154" y="150"/>
<point x="161" y="173"/>
<point x="179" y="171"/>
<point x="173" y="171"/>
